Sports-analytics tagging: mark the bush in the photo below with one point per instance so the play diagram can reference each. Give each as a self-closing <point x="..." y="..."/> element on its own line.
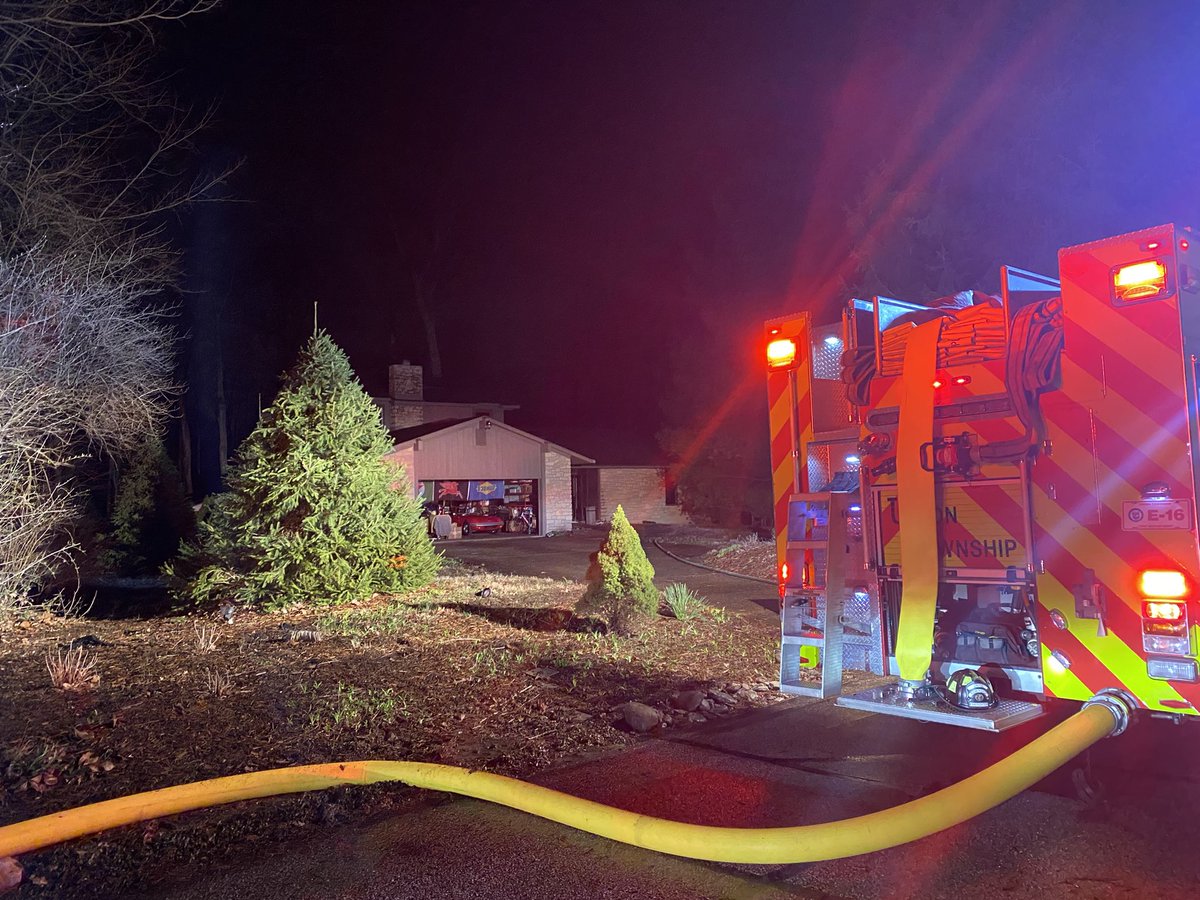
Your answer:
<point x="150" y="516"/>
<point x="620" y="580"/>
<point x="313" y="514"/>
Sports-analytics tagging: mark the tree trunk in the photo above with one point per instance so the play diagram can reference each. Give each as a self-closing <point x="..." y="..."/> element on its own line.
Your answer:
<point x="222" y="428"/>
<point x="185" y="452"/>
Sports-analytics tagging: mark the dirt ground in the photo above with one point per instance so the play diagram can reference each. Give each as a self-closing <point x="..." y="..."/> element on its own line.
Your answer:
<point x="509" y="682"/>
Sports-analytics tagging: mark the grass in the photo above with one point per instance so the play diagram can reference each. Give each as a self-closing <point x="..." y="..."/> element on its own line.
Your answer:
<point x="364" y="623"/>
<point x="71" y="670"/>
<point x="492" y="662"/>
<point x="354" y="708"/>
<point x="217" y="684"/>
<point x="206" y="638"/>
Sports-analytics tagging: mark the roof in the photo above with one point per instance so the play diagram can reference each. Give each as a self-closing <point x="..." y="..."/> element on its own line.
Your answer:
<point x="406" y="437"/>
<point x="611" y="444"/>
<point x="655" y="466"/>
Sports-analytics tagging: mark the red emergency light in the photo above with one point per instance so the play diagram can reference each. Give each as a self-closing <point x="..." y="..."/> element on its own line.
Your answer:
<point x="1162" y="584"/>
<point x="781" y="352"/>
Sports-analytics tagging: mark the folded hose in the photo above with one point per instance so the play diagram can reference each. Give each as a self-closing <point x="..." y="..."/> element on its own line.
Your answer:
<point x="1102" y="716"/>
<point x="1033" y="364"/>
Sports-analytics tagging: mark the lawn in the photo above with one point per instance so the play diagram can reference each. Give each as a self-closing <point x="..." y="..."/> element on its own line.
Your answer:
<point x="507" y="679"/>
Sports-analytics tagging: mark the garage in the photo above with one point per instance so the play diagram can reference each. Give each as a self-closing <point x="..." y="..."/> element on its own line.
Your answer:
<point x="489" y="476"/>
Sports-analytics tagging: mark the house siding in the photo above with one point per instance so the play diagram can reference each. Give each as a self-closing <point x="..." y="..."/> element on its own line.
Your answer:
<point x="641" y="492"/>
<point x="404" y="459"/>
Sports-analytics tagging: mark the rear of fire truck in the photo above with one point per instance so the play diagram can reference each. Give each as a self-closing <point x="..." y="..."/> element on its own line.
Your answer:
<point x="995" y="490"/>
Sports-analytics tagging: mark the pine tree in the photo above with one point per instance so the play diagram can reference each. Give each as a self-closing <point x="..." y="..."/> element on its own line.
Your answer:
<point x="151" y="513"/>
<point x="313" y="514"/>
<point x="621" y="579"/>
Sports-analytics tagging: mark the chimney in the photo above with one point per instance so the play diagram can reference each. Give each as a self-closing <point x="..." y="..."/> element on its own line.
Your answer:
<point x="406" y="382"/>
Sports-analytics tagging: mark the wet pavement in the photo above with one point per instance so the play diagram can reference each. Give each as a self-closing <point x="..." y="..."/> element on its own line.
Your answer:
<point x="798" y="762"/>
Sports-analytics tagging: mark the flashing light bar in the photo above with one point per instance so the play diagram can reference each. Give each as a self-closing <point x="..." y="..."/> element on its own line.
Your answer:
<point x="781" y="352"/>
<point x="1140" y="280"/>
<point x="1162" y="584"/>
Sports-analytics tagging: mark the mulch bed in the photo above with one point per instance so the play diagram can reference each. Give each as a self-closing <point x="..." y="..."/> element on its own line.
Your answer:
<point x="509" y="682"/>
<point x="746" y="557"/>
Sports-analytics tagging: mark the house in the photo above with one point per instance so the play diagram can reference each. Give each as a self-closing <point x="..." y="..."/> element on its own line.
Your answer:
<point x="465" y="456"/>
<point x="483" y="464"/>
<point x="644" y="492"/>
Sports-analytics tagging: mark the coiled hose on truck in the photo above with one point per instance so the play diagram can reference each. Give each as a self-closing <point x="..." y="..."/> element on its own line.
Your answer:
<point x="1105" y="714"/>
<point x="1033" y="364"/>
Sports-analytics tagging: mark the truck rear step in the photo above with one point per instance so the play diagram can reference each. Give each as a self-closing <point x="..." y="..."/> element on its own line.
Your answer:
<point x="889" y="701"/>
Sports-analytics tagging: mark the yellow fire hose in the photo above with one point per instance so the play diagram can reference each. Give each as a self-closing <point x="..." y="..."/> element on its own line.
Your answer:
<point x="916" y="491"/>
<point x="1102" y="716"/>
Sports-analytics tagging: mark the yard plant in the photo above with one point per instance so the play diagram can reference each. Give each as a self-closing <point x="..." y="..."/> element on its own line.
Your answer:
<point x="313" y="514"/>
<point x="620" y="580"/>
<point x="683" y="602"/>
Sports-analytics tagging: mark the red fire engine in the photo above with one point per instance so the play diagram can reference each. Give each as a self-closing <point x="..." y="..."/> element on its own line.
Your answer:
<point x="992" y="498"/>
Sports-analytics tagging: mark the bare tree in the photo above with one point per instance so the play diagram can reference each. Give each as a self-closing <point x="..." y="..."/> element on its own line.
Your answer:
<point x="88" y="145"/>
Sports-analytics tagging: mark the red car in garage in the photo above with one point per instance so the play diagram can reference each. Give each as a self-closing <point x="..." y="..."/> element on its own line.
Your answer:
<point x="477" y="521"/>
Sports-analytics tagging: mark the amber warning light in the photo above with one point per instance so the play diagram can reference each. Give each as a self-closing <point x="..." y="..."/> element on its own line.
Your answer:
<point x="1140" y="281"/>
<point x="781" y="352"/>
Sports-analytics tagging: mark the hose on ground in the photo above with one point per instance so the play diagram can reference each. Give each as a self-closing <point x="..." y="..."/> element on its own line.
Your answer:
<point x="795" y="844"/>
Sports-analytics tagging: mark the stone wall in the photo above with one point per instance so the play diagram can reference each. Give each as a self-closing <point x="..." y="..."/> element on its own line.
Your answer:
<point x="556" y="492"/>
<point x="641" y="492"/>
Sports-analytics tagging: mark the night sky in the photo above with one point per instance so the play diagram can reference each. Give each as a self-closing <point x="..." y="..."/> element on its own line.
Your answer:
<point x="623" y="191"/>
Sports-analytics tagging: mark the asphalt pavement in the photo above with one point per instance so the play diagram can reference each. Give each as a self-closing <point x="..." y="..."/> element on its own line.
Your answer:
<point x="566" y="556"/>
<point x="799" y="762"/>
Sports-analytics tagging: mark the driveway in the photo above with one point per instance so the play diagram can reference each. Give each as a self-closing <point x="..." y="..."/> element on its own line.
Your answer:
<point x="800" y="762"/>
<point x="566" y="556"/>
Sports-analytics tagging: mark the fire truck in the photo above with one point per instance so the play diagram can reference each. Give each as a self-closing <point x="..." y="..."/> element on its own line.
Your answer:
<point x="995" y="490"/>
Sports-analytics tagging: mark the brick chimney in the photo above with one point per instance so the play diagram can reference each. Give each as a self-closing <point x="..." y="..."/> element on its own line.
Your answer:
<point x="406" y="382"/>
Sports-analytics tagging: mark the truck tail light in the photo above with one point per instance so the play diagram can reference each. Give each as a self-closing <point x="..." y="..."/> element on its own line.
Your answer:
<point x="1140" y="281"/>
<point x="781" y="352"/>
<point x="784" y="572"/>
<point x="1165" y="627"/>
<point x="1163" y="611"/>
<point x="1164" y="584"/>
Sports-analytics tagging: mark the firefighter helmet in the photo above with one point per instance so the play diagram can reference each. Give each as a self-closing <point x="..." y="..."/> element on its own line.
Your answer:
<point x="971" y="689"/>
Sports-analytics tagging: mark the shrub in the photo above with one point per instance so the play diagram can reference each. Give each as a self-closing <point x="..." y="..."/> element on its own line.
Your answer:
<point x="683" y="602"/>
<point x="72" y="669"/>
<point x="151" y="513"/>
<point x="620" y="580"/>
<point x="313" y="514"/>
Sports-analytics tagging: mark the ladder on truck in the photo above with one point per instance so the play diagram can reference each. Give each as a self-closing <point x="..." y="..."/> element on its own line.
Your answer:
<point x="813" y="614"/>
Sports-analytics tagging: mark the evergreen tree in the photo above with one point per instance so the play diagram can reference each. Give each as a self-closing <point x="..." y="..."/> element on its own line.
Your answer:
<point x="620" y="580"/>
<point x="313" y="514"/>
<point x="151" y="513"/>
